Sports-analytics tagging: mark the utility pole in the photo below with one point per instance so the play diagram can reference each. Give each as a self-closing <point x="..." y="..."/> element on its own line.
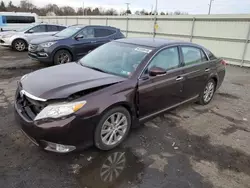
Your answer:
<point x="210" y="7"/>
<point x="127" y="7"/>
<point x="155" y="17"/>
<point x="83" y="8"/>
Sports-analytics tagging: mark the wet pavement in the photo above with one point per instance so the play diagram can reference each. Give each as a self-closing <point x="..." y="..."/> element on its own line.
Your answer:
<point x="192" y="146"/>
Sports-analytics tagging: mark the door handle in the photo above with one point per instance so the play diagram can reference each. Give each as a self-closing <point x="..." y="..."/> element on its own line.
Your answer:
<point x="179" y="78"/>
<point x="207" y="70"/>
<point x="93" y="41"/>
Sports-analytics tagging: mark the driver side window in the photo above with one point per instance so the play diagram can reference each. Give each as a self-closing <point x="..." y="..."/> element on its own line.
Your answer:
<point x="87" y="32"/>
<point x="166" y="59"/>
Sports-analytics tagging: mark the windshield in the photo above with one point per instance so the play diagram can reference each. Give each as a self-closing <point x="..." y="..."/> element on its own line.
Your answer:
<point x="116" y="58"/>
<point x="25" y="28"/>
<point x="68" y="32"/>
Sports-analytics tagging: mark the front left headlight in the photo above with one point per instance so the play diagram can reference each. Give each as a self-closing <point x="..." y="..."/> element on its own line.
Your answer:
<point x="60" y="110"/>
<point x="47" y="44"/>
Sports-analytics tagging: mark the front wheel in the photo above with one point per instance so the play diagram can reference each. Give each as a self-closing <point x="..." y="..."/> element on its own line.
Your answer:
<point x="207" y="95"/>
<point x="62" y="56"/>
<point x="19" y="45"/>
<point x="112" y="129"/>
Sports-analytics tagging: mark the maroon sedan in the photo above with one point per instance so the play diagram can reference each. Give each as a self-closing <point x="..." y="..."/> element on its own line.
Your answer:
<point x="115" y="87"/>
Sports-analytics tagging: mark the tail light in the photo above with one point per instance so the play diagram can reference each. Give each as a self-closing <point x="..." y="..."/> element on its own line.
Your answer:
<point x="223" y="62"/>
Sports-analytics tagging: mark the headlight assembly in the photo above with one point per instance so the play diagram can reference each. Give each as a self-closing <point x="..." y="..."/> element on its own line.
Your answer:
<point x="60" y="110"/>
<point x="47" y="44"/>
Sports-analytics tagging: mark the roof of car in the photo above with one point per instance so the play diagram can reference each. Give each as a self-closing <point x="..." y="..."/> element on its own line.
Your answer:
<point x="152" y="42"/>
<point x="82" y="25"/>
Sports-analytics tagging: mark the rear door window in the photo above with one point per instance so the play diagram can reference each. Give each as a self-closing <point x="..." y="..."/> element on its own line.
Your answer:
<point x="60" y="28"/>
<point x="52" y="28"/>
<point x="101" y="32"/>
<point x="192" y="55"/>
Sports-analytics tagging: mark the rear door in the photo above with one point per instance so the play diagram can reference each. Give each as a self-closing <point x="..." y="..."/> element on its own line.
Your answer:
<point x="196" y="70"/>
<point x="103" y="35"/>
<point x="36" y="32"/>
<point x="157" y="93"/>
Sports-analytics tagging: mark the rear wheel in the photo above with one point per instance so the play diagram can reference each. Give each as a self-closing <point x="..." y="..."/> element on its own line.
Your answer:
<point x="207" y="95"/>
<point x="19" y="45"/>
<point x="62" y="56"/>
<point x="112" y="129"/>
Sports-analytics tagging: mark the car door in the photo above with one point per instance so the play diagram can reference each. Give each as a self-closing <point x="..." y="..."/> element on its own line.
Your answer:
<point x="103" y="35"/>
<point x="84" y="41"/>
<point x="36" y="32"/>
<point x="196" y="70"/>
<point x="157" y="93"/>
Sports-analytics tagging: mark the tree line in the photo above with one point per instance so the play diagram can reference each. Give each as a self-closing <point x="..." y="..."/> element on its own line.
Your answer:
<point x="53" y="9"/>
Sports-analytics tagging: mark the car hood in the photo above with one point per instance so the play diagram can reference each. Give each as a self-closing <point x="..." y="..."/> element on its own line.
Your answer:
<point x="61" y="81"/>
<point x="8" y="33"/>
<point x="46" y="39"/>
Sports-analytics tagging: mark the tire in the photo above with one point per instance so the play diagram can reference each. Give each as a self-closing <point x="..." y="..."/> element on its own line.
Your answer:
<point x="115" y="131"/>
<point x="62" y="56"/>
<point x="19" y="45"/>
<point x="210" y="87"/>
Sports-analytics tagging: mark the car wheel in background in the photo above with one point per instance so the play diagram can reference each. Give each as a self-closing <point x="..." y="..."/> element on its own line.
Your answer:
<point x="207" y="95"/>
<point x="62" y="56"/>
<point x="112" y="129"/>
<point x="19" y="45"/>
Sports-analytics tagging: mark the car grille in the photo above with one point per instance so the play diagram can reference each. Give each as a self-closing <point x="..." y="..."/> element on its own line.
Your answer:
<point x="29" y="106"/>
<point x="32" y="47"/>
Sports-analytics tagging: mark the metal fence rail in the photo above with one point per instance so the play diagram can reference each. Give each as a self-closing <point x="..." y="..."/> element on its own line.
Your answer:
<point x="228" y="36"/>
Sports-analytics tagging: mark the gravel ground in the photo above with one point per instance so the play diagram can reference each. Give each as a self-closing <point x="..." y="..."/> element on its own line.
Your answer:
<point x="190" y="147"/>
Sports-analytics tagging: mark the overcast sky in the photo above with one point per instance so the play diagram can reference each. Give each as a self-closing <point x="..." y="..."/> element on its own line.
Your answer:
<point x="190" y="6"/>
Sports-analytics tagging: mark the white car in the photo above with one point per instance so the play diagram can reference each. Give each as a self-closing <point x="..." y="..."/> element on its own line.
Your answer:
<point x="19" y="39"/>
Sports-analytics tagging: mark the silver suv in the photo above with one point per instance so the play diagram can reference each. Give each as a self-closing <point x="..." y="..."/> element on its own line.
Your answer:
<point x="19" y="39"/>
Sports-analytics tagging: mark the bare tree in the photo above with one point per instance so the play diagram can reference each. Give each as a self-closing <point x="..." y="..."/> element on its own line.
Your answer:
<point x="2" y="6"/>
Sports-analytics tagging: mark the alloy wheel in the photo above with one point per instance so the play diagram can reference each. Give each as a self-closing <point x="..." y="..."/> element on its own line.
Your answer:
<point x="114" y="128"/>
<point x="208" y="92"/>
<point x="63" y="58"/>
<point x="20" y="46"/>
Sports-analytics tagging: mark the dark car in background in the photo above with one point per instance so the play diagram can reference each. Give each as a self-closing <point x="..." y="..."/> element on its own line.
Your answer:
<point x="72" y="43"/>
<point x="113" y="88"/>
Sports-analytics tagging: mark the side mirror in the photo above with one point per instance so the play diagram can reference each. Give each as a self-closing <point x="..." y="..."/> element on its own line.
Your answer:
<point x="31" y="31"/>
<point x="79" y="37"/>
<point x="156" y="71"/>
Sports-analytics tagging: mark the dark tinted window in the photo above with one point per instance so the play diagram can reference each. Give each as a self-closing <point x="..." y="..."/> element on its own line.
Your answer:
<point x="211" y="56"/>
<point x="60" y="28"/>
<point x="87" y="32"/>
<point x="38" y="29"/>
<point x="52" y="28"/>
<point x="193" y="55"/>
<point x="166" y="59"/>
<point x="99" y="32"/>
<point x="20" y="19"/>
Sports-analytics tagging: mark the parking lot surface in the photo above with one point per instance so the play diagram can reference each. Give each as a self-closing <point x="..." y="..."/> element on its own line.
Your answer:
<point x="190" y="147"/>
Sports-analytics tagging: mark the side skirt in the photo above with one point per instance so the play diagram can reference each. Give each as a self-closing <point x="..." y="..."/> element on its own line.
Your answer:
<point x="166" y="109"/>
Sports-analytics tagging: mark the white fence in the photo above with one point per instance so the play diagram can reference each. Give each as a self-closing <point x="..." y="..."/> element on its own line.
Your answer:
<point x="227" y="36"/>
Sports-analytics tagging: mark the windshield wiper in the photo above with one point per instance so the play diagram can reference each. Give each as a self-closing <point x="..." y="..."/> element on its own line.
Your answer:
<point x="94" y="68"/>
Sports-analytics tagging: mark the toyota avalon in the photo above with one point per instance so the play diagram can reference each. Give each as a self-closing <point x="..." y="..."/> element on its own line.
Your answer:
<point x="98" y="99"/>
